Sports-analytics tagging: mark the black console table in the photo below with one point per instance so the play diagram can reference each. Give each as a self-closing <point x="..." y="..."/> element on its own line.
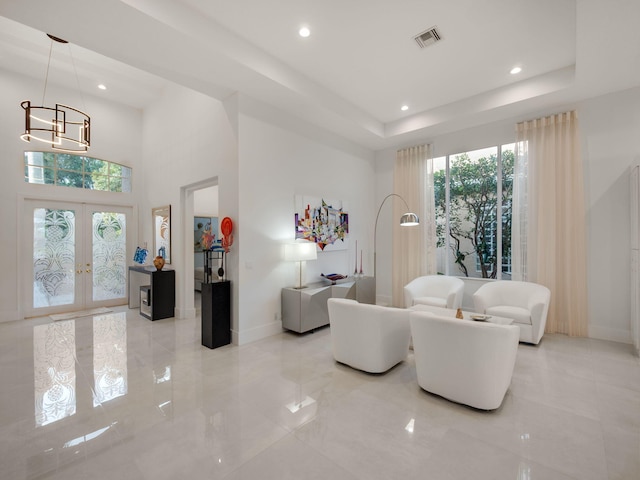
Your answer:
<point x="216" y="314"/>
<point x="154" y="291"/>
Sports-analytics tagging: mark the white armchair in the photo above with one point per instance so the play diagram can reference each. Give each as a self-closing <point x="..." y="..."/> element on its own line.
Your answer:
<point x="464" y="361"/>
<point x="367" y="337"/>
<point x="436" y="290"/>
<point x="527" y="303"/>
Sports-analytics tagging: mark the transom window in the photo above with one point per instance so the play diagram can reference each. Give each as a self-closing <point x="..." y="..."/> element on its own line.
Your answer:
<point x="67" y="170"/>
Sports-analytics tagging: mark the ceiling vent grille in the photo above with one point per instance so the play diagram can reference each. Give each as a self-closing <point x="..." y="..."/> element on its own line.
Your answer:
<point x="428" y="37"/>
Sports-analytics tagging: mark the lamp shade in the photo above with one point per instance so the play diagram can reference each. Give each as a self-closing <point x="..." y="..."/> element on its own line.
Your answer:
<point x="299" y="252"/>
<point x="409" y="220"/>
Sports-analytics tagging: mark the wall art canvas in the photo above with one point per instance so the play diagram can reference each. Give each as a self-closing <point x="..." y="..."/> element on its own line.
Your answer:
<point x="322" y="221"/>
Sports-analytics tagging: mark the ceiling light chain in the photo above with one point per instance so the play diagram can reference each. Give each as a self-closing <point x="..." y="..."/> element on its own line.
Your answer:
<point x="46" y="75"/>
<point x="75" y="71"/>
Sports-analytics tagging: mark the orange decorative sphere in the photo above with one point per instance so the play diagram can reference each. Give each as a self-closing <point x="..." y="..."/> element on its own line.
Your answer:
<point x="158" y="262"/>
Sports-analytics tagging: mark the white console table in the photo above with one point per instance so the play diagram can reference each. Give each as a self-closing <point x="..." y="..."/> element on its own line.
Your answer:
<point x="305" y="309"/>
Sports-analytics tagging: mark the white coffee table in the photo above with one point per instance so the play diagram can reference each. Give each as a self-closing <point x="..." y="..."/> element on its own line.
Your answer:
<point x="448" y="312"/>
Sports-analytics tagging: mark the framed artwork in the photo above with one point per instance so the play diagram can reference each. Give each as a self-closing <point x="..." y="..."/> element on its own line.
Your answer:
<point x="202" y="225"/>
<point x="324" y="222"/>
<point x="161" y="217"/>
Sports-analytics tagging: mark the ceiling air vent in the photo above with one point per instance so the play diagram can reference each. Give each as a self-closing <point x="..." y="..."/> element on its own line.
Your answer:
<point x="427" y="37"/>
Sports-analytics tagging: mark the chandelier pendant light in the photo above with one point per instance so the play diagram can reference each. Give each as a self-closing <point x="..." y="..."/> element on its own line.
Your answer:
<point x="62" y="127"/>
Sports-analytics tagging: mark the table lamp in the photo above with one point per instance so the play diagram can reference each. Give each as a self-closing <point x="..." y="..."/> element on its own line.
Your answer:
<point x="300" y="252"/>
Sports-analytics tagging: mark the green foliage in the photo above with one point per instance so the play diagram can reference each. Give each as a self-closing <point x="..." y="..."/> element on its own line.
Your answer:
<point x="77" y="171"/>
<point x="473" y="190"/>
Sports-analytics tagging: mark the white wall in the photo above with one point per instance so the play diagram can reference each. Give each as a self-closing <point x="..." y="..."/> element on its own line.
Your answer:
<point x="115" y="137"/>
<point x="205" y="202"/>
<point x="277" y="161"/>
<point x="610" y="128"/>
<point x="188" y="139"/>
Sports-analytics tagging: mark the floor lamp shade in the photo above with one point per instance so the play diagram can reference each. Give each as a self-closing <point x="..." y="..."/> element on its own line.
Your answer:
<point x="300" y="252"/>
<point x="408" y="219"/>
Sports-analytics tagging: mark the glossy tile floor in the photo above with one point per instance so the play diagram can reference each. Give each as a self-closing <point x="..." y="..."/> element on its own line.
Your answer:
<point x="119" y="397"/>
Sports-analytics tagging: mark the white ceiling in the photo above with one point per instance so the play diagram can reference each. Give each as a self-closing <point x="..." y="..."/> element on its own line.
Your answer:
<point x="357" y="68"/>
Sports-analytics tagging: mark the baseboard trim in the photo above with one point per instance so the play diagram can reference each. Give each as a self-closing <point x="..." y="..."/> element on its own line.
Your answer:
<point x="610" y="334"/>
<point x="185" y="313"/>
<point x="257" y="333"/>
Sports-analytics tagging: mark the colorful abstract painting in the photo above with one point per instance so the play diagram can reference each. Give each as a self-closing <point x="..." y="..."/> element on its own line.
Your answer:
<point x="322" y="221"/>
<point x="205" y="229"/>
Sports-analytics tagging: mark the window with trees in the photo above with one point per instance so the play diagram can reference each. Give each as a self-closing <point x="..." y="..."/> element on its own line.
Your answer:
<point x="473" y="197"/>
<point x="64" y="169"/>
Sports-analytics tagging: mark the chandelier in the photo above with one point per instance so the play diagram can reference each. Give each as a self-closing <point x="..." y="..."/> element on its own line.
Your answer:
<point x="62" y="127"/>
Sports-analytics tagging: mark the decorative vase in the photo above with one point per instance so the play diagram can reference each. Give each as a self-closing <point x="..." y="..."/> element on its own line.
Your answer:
<point x="158" y="262"/>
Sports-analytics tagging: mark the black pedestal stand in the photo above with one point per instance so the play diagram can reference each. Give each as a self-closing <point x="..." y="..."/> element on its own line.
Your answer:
<point x="216" y="314"/>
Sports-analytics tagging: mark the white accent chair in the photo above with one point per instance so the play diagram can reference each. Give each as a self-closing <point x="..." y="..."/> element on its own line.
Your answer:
<point x="464" y="361"/>
<point x="436" y="290"/>
<point x="527" y="303"/>
<point x="367" y="337"/>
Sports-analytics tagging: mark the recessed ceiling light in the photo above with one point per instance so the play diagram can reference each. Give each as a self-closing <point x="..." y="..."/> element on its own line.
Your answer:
<point x="404" y="108"/>
<point x="102" y="86"/>
<point x="304" y="32"/>
<point x="515" y="70"/>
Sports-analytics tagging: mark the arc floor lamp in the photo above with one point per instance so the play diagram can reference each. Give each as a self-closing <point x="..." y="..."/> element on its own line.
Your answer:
<point x="408" y="219"/>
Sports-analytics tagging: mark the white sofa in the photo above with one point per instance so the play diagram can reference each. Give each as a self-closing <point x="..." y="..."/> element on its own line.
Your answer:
<point x="527" y="303"/>
<point x="464" y="361"/>
<point x="368" y="337"/>
<point x="435" y="290"/>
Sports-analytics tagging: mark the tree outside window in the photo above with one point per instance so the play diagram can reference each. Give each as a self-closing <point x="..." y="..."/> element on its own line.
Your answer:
<point x="76" y="171"/>
<point x="470" y="196"/>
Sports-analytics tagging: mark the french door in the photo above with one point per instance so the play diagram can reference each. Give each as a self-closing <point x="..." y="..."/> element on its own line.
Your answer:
<point x="77" y="256"/>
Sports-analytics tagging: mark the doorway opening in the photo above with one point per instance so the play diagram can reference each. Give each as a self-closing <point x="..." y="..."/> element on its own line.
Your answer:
<point x="205" y="221"/>
<point x="199" y="206"/>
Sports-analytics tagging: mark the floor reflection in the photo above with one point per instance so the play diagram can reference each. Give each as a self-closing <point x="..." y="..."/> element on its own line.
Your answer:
<point x="109" y="357"/>
<point x="54" y="373"/>
<point x="54" y="359"/>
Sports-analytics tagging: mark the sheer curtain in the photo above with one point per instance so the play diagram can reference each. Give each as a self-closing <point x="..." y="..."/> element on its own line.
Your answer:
<point x="414" y="248"/>
<point x="549" y="219"/>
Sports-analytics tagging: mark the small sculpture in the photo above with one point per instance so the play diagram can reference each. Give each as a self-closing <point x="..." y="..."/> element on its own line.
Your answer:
<point x="227" y="237"/>
<point x="158" y="262"/>
<point x="459" y="314"/>
<point x="208" y="238"/>
<point x="140" y="256"/>
<point x="333" y="277"/>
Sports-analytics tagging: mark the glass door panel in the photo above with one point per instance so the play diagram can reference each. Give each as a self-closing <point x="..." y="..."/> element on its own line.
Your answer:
<point x="109" y="255"/>
<point x="54" y="257"/>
